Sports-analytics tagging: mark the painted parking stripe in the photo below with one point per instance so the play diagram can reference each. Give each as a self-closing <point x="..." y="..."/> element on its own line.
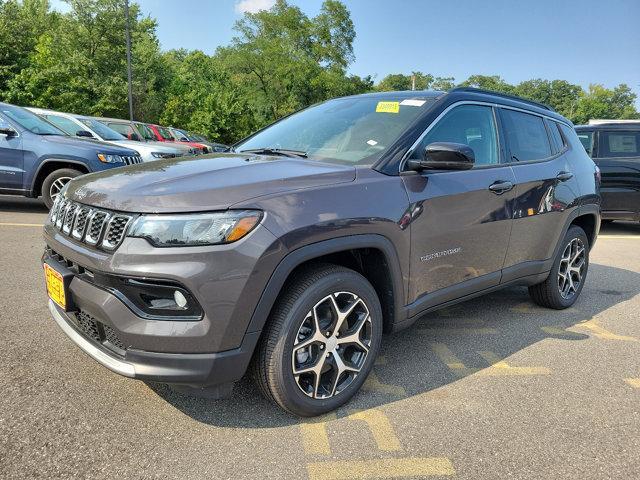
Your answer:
<point x="314" y="435"/>
<point x="603" y="333"/>
<point x="373" y="384"/>
<point x="383" y="468"/>
<point x="634" y="382"/>
<point x="7" y="224"/>
<point x="628" y="237"/>
<point x="380" y="428"/>
<point x="459" y="331"/>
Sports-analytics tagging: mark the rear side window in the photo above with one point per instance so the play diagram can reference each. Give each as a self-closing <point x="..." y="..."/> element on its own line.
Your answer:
<point x="586" y="139"/>
<point x="472" y="125"/>
<point x="526" y="136"/>
<point x="619" y="144"/>
<point x="64" y="124"/>
<point x="557" y="139"/>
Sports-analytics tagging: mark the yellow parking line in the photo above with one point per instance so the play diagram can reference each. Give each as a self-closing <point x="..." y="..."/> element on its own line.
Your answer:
<point x="5" y="224"/>
<point x="448" y="357"/>
<point x="383" y="468"/>
<point x="380" y="427"/>
<point x="500" y="367"/>
<point x="460" y="330"/>
<point x="314" y="435"/>
<point x="634" y="382"/>
<point x="603" y="333"/>
<point x="559" y="331"/>
<point x="373" y="384"/>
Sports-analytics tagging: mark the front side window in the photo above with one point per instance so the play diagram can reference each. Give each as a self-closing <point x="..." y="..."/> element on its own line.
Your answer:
<point x="526" y="136"/>
<point x="352" y="130"/>
<point x="102" y="130"/>
<point x="165" y="133"/>
<point x="124" y="129"/>
<point x="472" y="125"/>
<point x="619" y="144"/>
<point x="586" y="139"/>
<point x="145" y="132"/>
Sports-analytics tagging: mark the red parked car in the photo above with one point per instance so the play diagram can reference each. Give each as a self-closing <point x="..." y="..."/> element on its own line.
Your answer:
<point x="164" y="134"/>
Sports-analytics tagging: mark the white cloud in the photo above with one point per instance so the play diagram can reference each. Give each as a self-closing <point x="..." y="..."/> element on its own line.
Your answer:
<point x="253" y="6"/>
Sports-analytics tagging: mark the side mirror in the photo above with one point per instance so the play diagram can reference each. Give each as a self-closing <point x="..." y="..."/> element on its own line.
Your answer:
<point x="444" y="156"/>
<point x="84" y="133"/>
<point x="8" y="131"/>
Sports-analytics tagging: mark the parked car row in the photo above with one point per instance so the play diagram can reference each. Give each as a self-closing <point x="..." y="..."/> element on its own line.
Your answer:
<point x="41" y="150"/>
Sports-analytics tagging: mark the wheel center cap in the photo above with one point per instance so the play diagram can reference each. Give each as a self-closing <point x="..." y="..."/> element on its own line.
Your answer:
<point x="332" y="342"/>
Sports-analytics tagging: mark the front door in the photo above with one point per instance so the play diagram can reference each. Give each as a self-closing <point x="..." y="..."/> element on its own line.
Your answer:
<point x="11" y="159"/>
<point x="461" y="219"/>
<point x="619" y="162"/>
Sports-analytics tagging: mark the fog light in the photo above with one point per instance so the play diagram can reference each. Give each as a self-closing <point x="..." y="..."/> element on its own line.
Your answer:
<point x="180" y="299"/>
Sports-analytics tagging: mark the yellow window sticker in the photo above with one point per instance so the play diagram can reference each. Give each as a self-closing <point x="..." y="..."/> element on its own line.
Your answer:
<point x="388" y="107"/>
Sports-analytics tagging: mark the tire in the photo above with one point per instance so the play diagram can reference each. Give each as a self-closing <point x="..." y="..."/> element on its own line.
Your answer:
<point x="55" y="181"/>
<point x="291" y="327"/>
<point x="555" y="292"/>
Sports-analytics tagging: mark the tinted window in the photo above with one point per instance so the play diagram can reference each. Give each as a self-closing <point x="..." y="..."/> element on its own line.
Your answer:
<point x="558" y="141"/>
<point x="64" y="124"/>
<point x="124" y="129"/>
<point x="619" y="144"/>
<point x="472" y="125"/>
<point x="586" y="139"/>
<point x="526" y="136"/>
<point x="105" y="132"/>
<point x="30" y="121"/>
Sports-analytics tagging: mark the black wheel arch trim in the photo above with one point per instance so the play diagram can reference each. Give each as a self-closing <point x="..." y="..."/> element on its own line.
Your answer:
<point x="309" y="252"/>
<point x="55" y="160"/>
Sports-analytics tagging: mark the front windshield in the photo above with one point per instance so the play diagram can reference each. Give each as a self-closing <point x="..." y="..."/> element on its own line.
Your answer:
<point x="353" y="130"/>
<point x="165" y="133"/>
<point x="30" y="121"/>
<point x="102" y="130"/>
<point x="145" y="132"/>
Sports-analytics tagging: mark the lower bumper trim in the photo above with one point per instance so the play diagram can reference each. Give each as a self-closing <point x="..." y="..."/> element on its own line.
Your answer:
<point x="114" y="364"/>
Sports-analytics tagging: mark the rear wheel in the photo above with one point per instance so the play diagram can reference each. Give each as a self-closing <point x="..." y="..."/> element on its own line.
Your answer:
<point x="54" y="182"/>
<point x="568" y="273"/>
<point x="320" y="341"/>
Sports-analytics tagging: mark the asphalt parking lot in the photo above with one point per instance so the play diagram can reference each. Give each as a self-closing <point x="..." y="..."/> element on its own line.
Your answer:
<point x="493" y="388"/>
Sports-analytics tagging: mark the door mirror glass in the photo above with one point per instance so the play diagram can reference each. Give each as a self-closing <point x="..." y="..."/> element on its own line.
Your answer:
<point x="84" y="133"/>
<point x="444" y="156"/>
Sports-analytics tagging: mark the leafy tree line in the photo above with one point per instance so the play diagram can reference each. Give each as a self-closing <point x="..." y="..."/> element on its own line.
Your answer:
<point x="279" y="61"/>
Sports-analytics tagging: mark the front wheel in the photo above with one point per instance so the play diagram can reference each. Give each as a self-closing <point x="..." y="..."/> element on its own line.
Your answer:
<point x="569" y="271"/>
<point x="54" y="182"/>
<point x="320" y="341"/>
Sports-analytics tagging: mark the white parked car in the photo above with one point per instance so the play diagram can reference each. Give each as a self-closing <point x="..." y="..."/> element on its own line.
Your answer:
<point x="81" y="126"/>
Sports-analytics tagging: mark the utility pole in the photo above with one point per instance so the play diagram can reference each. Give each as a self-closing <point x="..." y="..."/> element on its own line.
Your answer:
<point x="126" y="12"/>
<point x="413" y="82"/>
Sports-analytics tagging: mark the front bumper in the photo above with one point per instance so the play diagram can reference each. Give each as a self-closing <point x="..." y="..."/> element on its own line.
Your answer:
<point x="200" y="369"/>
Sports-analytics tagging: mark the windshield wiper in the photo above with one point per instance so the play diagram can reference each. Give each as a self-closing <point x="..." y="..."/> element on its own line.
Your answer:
<point x="284" y="152"/>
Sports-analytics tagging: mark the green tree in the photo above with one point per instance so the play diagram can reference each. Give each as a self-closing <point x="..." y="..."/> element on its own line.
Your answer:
<point x="601" y="102"/>
<point x="486" y="82"/>
<point x="558" y="94"/>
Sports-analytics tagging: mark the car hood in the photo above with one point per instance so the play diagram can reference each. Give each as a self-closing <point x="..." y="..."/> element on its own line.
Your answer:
<point x="86" y="144"/>
<point x="146" y="147"/>
<point x="204" y="183"/>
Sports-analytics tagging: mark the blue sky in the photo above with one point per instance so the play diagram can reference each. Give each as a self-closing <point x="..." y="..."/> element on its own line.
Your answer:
<point x="583" y="42"/>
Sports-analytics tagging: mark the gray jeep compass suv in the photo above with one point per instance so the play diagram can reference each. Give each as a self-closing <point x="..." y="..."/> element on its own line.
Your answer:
<point x="290" y="255"/>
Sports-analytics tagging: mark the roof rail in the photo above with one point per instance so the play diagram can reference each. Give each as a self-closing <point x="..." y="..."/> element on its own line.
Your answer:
<point x="504" y="95"/>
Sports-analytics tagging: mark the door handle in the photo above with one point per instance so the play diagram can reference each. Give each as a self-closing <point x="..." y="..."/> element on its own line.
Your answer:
<point x="564" y="176"/>
<point x="499" y="187"/>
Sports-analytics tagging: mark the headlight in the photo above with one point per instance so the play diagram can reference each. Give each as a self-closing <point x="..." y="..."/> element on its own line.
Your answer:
<point x="195" y="229"/>
<point x="163" y="155"/>
<point x="110" y="158"/>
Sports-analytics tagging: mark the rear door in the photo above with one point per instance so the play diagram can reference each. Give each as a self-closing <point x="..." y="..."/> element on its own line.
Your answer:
<point x="545" y="190"/>
<point x="461" y="220"/>
<point x="11" y="159"/>
<point x="618" y="156"/>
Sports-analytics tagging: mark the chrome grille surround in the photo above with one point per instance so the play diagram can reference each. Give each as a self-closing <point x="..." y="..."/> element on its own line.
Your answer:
<point x="95" y="227"/>
<point x="132" y="159"/>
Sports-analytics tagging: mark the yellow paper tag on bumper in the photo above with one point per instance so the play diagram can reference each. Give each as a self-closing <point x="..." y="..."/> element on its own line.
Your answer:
<point x="388" y="107"/>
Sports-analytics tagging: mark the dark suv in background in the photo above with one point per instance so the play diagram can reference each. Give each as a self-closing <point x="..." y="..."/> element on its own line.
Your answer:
<point x="615" y="147"/>
<point x="37" y="158"/>
<point x="292" y="254"/>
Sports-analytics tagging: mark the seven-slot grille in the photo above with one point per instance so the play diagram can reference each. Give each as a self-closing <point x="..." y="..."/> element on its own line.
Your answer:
<point x="132" y="160"/>
<point x="95" y="227"/>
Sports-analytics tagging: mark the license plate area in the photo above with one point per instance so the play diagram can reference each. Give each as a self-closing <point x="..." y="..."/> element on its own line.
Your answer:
<point x="57" y="281"/>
